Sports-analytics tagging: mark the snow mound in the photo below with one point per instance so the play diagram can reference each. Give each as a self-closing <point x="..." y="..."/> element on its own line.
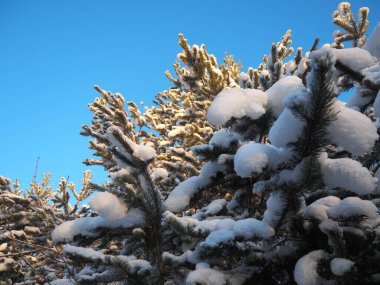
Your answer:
<point x="237" y="103"/>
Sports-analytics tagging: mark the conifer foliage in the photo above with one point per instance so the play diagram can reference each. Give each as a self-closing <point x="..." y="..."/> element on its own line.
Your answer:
<point x="263" y="177"/>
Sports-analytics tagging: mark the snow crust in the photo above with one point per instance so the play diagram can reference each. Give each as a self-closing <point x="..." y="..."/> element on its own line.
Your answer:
<point x="340" y="266"/>
<point x="108" y="205"/>
<point x="348" y="174"/>
<point x="237" y="103"/>
<point x="347" y="130"/>
<point x="253" y="158"/>
<point x="87" y="226"/>
<point x="280" y="90"/>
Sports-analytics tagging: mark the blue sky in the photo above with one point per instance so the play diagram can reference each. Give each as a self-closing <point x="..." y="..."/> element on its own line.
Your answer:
<point x="53" y="52"/>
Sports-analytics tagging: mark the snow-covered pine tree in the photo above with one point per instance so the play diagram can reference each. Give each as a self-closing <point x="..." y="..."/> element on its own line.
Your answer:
<point x="315" y="203"/>
<point x="27" y="218"/>
<point x="282" y="196"/>
<point x="178" y="120"/>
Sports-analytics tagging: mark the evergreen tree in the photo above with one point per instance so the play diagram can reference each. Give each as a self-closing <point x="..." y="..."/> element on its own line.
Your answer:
<point x="278" y="186"/>
<point x="27" y="219"/>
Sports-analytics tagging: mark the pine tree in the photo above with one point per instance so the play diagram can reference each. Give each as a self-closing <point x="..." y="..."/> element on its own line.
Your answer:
<point x="28" y="217"/>
<point x="287" y="189"/>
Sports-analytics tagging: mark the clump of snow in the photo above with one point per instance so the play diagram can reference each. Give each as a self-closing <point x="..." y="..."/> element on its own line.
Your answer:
<point x="108" y="205"/>
<point x="237" y="103"/>
<point x="357" y="100"/>
<point x="348" y="174"/>
<point x="352" y="130"/>
<point x="305" y="272"/>
<point x="215" y="206"/>
<point x="318" y="209"/>
<point x="280" y="90"/>
<point x="275" y="206"/>
<point x="184" y="222"/>
<point x="206" y="276"/>
<point x="290" y="66"/>
<point x="223" y="138"/>
<point x="354" y="58"/>
<point x="129" y="263"/>
<point x="287" y="128"/>
<point x="180" y="197"/>
<point x="292" y="175"/>
<point x="249" y="228"/>
<point x="245" y="81"/>
<point x="145" y="153"/>
<point x="254" y="158"/>
<point x="353" y="206"/>
<point x="218" y="237"/>
<point x="85" y="252"/>
<point x="302" y="66"/>
<point x="226" y="230"/>
<point x="373" y="43"/>
<point x="207" y="226"/>
<point x="87" y="226"/>
<point x="340" y="266"/>
<point x="159" y="173"/>
<point x="372" y="73"/>
<point x="328" y="226"/>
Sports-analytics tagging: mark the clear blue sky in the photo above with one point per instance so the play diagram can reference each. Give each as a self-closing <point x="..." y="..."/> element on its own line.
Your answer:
<point x="53" y="52"/>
